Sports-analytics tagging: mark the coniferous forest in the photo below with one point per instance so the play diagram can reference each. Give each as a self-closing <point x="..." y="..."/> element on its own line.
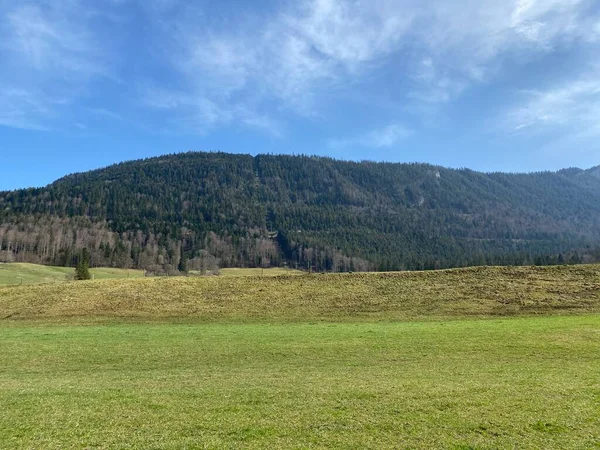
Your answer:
<point x="200" y="211"/>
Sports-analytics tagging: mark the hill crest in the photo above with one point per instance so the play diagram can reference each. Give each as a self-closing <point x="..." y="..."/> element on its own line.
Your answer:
<point x="198" y="210"/>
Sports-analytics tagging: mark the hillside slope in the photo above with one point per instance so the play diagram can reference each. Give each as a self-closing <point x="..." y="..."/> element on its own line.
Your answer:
<point x="23" y="273"/>
<point x="244" y="211"/>
<point x="457" y="293"/>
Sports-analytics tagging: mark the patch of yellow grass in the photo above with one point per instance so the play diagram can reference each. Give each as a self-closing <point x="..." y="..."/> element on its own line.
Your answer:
<point x="474" y="292"/>
<point x="271" y="272"/>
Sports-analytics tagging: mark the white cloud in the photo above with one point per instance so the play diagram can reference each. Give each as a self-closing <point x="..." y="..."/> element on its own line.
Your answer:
<point x="469" y="42"/>
<point x="284" y="63"/>
<point x="437" y="85"/>
<point x="21" y="109"/>
<point x="291" y="57"/>
<point x="385" y="137"/>
<point x="574" y="103"/>
<point x="51" y="40"/>
<point x="201" y="114"/>
<point x="52" y="55"/>
<point x="352" y="32"/>
<point x="257" y="68"/>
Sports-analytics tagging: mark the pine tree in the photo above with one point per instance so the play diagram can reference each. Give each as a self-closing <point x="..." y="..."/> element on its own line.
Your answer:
<point x="82" y="271"/>
<point x="183" y="263"/>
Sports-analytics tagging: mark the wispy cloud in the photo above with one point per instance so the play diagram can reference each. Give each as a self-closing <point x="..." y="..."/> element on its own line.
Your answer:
<point x="352" y="33"/>
<point x="21" y="109"/>
<point x="573" y="103"/>
<point x="51" y="39"/>
<point x="102" y="112"/>
<point x="284" y="63"/>
<point x="385" y="137"/>
<point x="52" y="54"/>
<point x="468" y="43"/>
<point x="436" y="84"/>
<point x="200" y="114"/>
<point x="288" y="58"/>
<point x="261" y="68"/>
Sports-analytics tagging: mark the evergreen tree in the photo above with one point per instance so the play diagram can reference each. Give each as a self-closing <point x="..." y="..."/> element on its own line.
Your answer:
<point x="82" y="271"/>
<point x="183" y="263"/>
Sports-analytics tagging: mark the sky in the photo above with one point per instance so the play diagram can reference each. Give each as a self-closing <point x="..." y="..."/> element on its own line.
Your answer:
<point x="493" y="85"/>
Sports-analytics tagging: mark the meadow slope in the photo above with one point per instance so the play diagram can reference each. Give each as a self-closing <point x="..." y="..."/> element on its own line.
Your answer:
<point x="310" y="361"/>
<point x="459" y="293"/>
<point x="12" y="274"/>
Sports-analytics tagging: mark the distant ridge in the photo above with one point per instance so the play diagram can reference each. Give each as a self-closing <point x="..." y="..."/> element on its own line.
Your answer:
<point x="200" y="210"/>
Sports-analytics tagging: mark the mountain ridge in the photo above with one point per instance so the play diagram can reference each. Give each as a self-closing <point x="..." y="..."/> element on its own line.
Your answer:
<point x="209" y="208"/>
<point x="568" y="170"/>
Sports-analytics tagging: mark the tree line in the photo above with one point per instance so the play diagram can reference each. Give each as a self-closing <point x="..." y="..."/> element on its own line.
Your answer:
<point x="199" y="211"/>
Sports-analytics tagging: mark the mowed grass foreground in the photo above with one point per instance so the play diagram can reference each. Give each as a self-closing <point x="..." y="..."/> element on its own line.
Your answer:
<point x="526" y="383"/>
<point x="314" y="361"/>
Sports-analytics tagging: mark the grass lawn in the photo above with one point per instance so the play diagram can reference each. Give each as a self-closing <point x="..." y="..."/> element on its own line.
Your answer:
<point x="14" y="273"/>
<point x="501" y="383"/>
<point x="480" y="358"/>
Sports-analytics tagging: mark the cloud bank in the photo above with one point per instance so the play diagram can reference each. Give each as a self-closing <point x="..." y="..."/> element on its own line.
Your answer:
<point x="263" y="69"/>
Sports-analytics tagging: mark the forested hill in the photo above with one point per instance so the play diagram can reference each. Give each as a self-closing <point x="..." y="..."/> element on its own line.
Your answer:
<point x="199" y="210"/>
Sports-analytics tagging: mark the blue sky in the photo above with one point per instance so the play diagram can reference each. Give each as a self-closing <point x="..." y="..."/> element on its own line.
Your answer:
<point x="510" y="85"/>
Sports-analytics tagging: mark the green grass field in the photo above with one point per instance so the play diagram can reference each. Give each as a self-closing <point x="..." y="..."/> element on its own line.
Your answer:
<point x="15" y="273"/>
<point x="518" y="383"/>
<point x="482" y="358"/>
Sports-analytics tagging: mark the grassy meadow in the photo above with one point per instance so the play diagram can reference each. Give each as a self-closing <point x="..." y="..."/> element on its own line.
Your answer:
<point x="271" y="271"/>
<point x="28" y="274"/>
<point x="481" y="292"/>
<point x="481" y="358"/>
<point x="15" y="274"/>
<point x="519" y="383"/>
